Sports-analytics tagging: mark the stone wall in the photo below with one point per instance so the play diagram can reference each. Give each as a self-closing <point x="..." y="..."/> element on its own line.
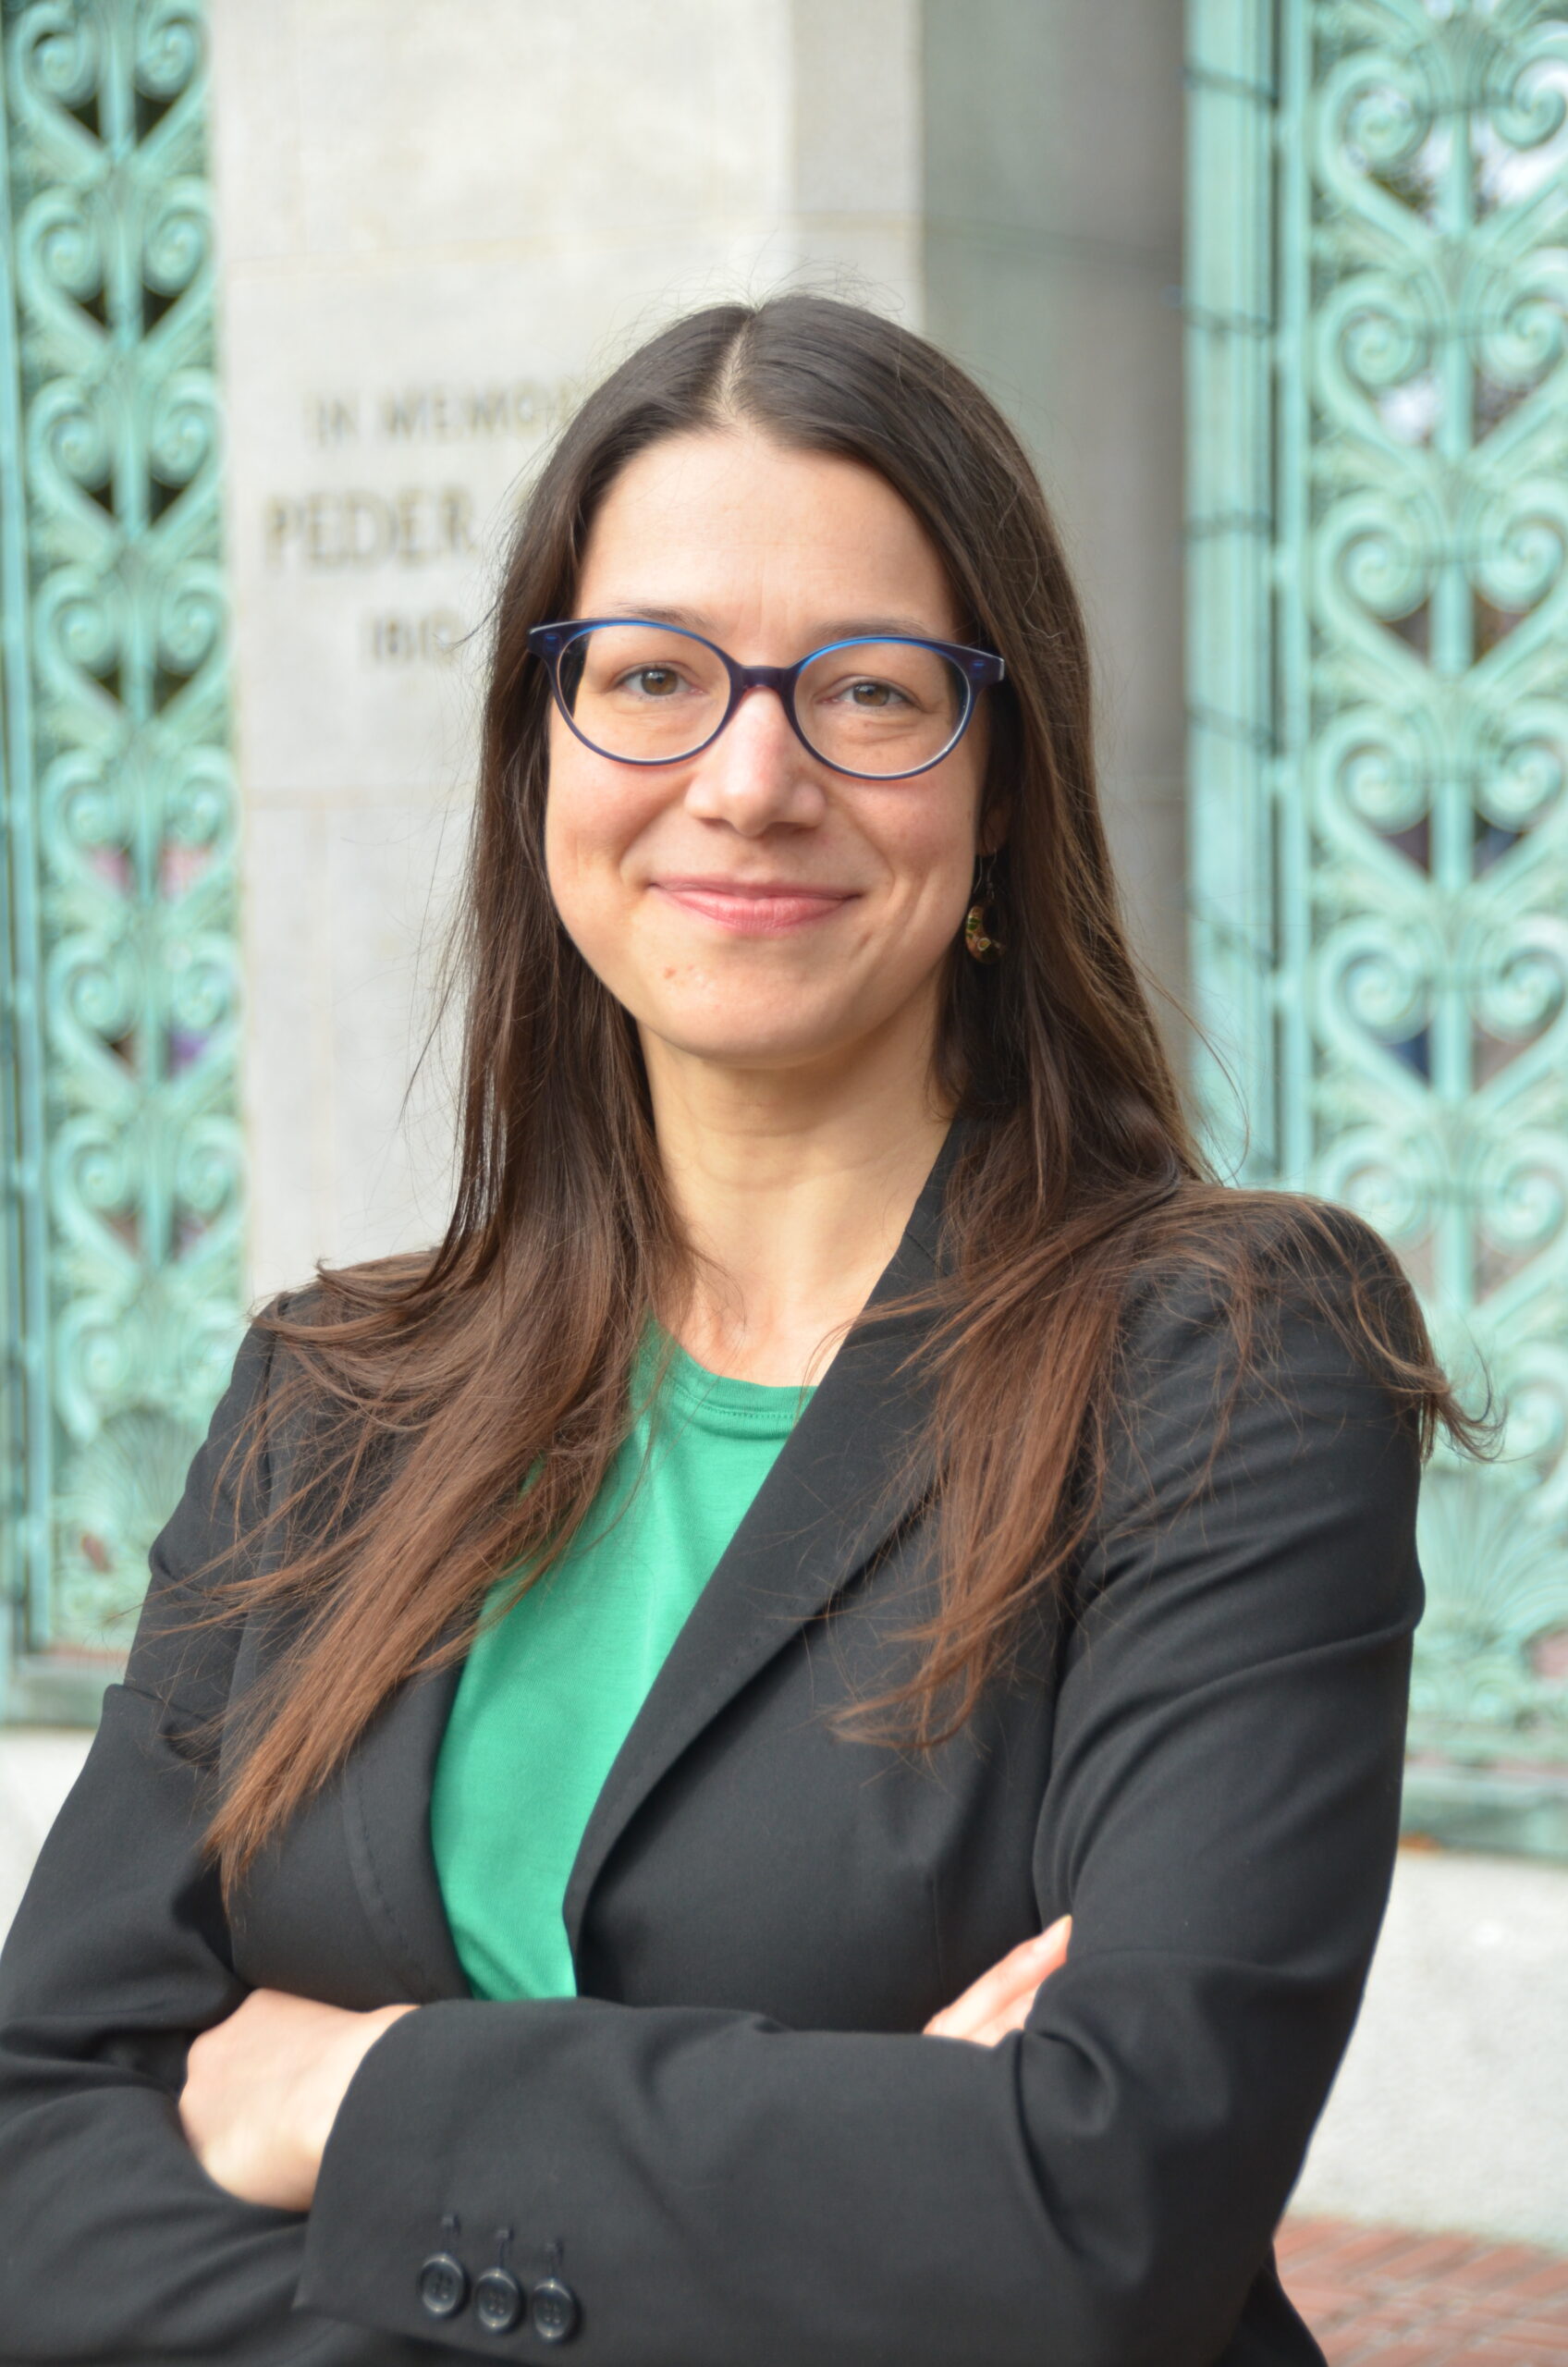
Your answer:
<point x="1450" y="2110"/>
<point x="438" y="225"/>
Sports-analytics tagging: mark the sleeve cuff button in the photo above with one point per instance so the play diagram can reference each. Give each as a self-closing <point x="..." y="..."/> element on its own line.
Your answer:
<point x="499" y="2302"/>
<point x="555" y="2310"/>
<point x="443" y="2285"/>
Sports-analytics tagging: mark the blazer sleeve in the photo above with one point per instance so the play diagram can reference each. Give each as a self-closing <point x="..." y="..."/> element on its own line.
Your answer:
<point x="1102" y="2187"/>
<point x="114" y="2242"/>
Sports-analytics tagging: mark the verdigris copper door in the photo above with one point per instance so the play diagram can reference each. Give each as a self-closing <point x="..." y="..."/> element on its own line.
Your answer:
<point x="122" y="1144"/>
<point x="1378" y="293"/>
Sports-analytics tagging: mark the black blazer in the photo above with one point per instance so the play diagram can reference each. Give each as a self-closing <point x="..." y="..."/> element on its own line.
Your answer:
<point x="732" y="2145"/>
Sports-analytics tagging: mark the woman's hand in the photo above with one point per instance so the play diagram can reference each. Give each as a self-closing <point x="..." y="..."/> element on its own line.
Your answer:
<point x="1000" y="1999"/>
<point x="261" y="2092"/>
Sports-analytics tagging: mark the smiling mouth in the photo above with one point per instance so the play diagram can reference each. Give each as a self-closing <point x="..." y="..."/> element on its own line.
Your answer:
<point x="755" y="908"/>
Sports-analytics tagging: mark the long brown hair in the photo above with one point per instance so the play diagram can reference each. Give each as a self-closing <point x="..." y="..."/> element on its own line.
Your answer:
<point x="433" y="1382"/>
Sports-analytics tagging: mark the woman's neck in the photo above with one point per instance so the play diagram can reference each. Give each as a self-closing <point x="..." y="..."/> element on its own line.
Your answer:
<point x="793" y="1190"/>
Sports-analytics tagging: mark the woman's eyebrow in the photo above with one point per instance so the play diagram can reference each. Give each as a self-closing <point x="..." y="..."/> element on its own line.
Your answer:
<point x="863" y="627"/>
<point x="877" y="628"/>
<point x="652" y="612"/>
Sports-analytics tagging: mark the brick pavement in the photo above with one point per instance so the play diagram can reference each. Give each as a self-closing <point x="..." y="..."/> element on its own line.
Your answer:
<point x="1383" y="2296"/>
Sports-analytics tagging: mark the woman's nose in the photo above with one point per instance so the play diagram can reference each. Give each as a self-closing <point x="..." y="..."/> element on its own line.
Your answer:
<point x="756" y="776"/>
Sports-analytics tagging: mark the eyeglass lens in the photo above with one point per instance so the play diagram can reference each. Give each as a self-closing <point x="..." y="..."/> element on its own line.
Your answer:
<point x="650" y="694"/>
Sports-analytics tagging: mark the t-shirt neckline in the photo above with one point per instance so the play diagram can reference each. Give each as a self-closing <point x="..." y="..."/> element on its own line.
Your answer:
<point x="717" y="1402"/>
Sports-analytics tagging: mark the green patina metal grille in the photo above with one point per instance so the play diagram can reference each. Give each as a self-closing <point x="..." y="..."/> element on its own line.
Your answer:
<point x="122" y="1148"/>
<point x="1378" y="291"/>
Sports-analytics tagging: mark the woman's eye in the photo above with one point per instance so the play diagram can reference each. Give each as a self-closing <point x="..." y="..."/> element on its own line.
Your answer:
<point x="874" y="695"/>
<point x="652" y="681"/>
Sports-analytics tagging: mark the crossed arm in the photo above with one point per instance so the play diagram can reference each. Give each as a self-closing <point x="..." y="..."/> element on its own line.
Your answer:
<point x="263" y="2087"/>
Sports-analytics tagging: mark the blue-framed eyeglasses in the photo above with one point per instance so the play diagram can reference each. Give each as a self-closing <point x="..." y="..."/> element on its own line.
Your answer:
<point x="881" y="708"/>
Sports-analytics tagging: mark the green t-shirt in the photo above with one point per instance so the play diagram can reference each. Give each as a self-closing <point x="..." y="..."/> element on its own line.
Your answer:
<point x="548" y="1697"/>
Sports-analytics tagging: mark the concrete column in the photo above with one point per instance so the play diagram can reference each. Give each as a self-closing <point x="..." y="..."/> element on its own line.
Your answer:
<point x="1053" y="257"/>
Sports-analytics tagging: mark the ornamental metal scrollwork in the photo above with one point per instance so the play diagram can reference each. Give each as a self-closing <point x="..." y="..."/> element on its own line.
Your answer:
<point x="124" y="1155"/>
<point x="1395" y="859"/>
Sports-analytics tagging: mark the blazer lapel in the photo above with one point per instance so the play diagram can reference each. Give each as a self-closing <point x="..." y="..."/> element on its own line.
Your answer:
<point x="844" y="1479"/>
<point x="842" y="1482"/>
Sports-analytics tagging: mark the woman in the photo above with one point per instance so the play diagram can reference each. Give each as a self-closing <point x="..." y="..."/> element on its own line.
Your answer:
<point x="628" y="1701"/>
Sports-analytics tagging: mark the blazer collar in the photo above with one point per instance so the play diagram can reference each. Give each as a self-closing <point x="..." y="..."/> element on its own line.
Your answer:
<point x="844" y="1479"/>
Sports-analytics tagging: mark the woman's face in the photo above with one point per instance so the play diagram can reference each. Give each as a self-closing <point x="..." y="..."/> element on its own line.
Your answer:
<point x="749" y="905"/>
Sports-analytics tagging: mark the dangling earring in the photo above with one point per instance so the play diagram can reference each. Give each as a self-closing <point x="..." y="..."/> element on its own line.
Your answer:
<point x="979" y="940"/>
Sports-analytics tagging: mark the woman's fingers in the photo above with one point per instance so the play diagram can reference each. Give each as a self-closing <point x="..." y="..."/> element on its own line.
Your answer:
<point x="262" y="2088"/>
<point x="999" y="2001"/>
